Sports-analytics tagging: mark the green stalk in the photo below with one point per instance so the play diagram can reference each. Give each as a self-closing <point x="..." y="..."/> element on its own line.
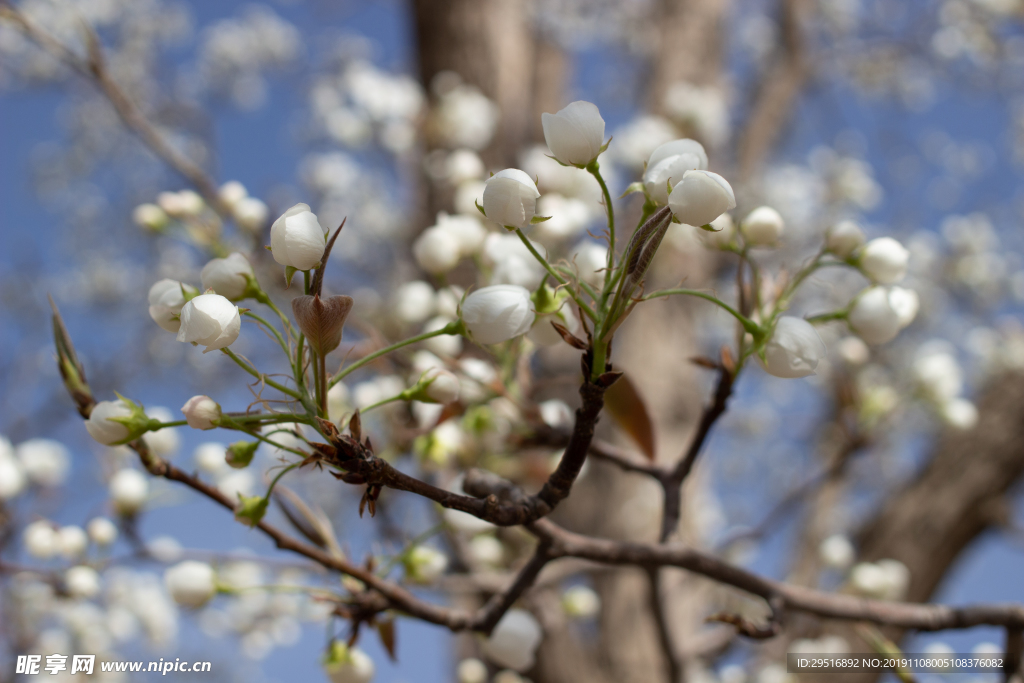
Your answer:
<point x="595" y="170"/>
<point x="553" y="273"/>
<point x="260" y="376"/>
<point x="450" y="328"/>
<point x="748" y="324"/>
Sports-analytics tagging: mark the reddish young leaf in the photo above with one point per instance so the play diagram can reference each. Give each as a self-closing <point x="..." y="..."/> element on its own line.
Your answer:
<point x="386" y="631"/>
<point x="627" y="408"/>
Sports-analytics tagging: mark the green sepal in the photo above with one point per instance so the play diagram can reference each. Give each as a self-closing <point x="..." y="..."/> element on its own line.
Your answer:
<point x="538" y="219"/>
<point x="251" y="509"/>
<point x="479" y="208"/>
<point x="289" y="273"/>
<point x="633" y="188"/>
<point x="240" y="453"/>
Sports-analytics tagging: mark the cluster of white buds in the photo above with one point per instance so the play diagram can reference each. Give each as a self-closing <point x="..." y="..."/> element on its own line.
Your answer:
<point x="939" y="380"/>
<point x="886" y="579"/>
<point x="249" y="213"/>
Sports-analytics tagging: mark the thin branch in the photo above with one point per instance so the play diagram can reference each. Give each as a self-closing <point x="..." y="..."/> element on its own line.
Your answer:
<point x="668" y="648"/>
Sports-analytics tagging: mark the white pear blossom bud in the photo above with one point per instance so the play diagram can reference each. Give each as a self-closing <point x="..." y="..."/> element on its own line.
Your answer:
<point x="414" y="302"/>
<point x="514" y="640"/>
<point x="937" y="373"/>
<point x="166" y="297"/>
<point x="960" y="413"/>
<point x="436" y="250"/>
<point x="443" y="387"/>
<point x="349" y="665"/>
<point x="884" y="260"/>
<point x="794" y="349"/>
<point x="128" y="490"/>
<point x="101" y="428"/>
<point x="721" y="236"/>
<point x="231" y="193"/>
<point x="575" y="134"/>
<point x="150" y="216"/>
<point x="668" y="163"/>
<point x="497" y="313"/>
<point x="836" y="552"/>
<point x="581" y="602"/>
<point x="12" y="475"/>
<point x="190" y="583"/>
<point x="44" y="461"/>
<point x="424" y="564"/>
<point x="183" y="204"/>
<point x="227" y="276"/>
<point x="844" y="238"/>
<point x="471" y="670"/>
<point x="200" y="412"/>
<point x="72" y="541"/>
<point x="210" y="320"/>
<point x="869" y="579"/>
<point x="40" y="539"/>
<point x="762" y="227"/>
<point x="82" y="582"/>
<point x="102" y="531"/>
<point x="510" y="198"/>
<point x="250" y="214"/>
<point x="873" y="318"/>
<point x="700" y="197"/>
<point x="296" y="238"/>
<point x="906" y="304"/>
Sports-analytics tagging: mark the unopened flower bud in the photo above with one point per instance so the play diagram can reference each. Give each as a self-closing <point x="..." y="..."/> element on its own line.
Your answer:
<point x="581" y="602"/>
<point x="72" y="541"/>
<point x="231" y="193"/>
<point x="844" y="238"/>
<point x="104" y="429"/>
<point x="436" y="250"/>
<point x="251" y="509"/>
<point x="514" y="640"/>
<point x="183" y="204"/>
<point x="497" y="313"/>
<point x="250" y="214"/>
<point x="166" y="298"/>
<point x="210" y="320"/>
<point x="762" y="227"/>
<point x="345" y="664"/>
<point x="297" y="239"/>
<point x="794" y="349"/>
<point x="873" y="317"/>
<point x="228" y="276"/>
<point x="240" y="454"/>
<point x="667" y="165"/>
<point x="510" y="198"/>
<point x="190" y="583"/>
<point x="40" y="539"/>
<point x="700" y="197"/>
<point x="836" y="552"/>
<point x="442" y="386"/>
<point x="884" y="260"/>
<point x="322" y="319"/>
<point x="128" y="491"/>
<point x="906" y="304"/>
<point x="575" y="135"/>
<point x="201" y="412"/>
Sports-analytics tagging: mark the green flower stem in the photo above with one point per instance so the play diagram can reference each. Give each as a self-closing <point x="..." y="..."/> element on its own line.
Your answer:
<point x="595" y="170"/>
<point x="450" y="328"/>
<point x="383" y="402"/>
<point x="280" y="339"/>
<point x="156" y="427"/>
<point x="314" y="361"/>
<point x="553" y="273"/>
<point x="841" y="314"/>
<point x="583" y="285"/>
<point x="748" y="324"/>
<point x="260" y="376"/>
<point x="269" y="442"/>
<point x="284" y="471"/>
<point x="263" y="419"/>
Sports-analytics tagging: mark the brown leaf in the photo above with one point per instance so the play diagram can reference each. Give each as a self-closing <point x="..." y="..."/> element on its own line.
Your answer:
<point x="704" y="362"/>
<point x="322" y="320"/>
<point x="386" y="631"/>
<point x="569" y="338"/>
<point x="355" y="426"/>
<point x="728" y="362"/>
<point x="627" y="408"/>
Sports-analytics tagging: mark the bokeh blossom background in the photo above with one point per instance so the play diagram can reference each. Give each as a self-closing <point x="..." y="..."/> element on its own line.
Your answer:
<point x="906" y="117"/>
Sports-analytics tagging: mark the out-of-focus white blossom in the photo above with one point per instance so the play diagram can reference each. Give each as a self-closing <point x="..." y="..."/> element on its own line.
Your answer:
<point x="436" y="250"/>
<point x="72" y="541"/>
<point x="497" y="313"/>
<point x="669" y="163"/>
<point x="424" y="564"/>
<point x="44" y="461"/>
<point x="471" y="671"/>
<point x="873" y="316"/>
<point x="449" y="345"/>
<point x="937" y="373"/>
<point x="512" y="262"/>
<point x="210" y="320"/>
<point x="556" y="414"/>
<point x="101" y="531"/>
<point x="128" y="490"/>
<point x="82" y="582"/>
<point x="164" y="442"/>
<point x="794" y="349"/>
<point x="836" y="552"/>
<point x="40" y="539"/>
<point x="348" y="665"/>
<point x="510" y="198"/>
<point x="884" y="260"/>
<point x="231" y="193"/>
<point x="514" y="640"/>
<point x="721" y="236"/>
<point x="443" y="387"/>
<point x="465" y="117"/>
<point x="704" y="108"/>
<point x="414" y="302"/>
<point x="700" y="197"/>
<point x="227" y="276"/>
<point x="762" y="227"/>
<point x="569" y="217"/>
<point x="251" y="214"/>
<point x="183" y="204"/>
<point x="486" y="550"/>
<point x="190" y="583"/>
<point x="581" y="602"/>
<point x="591" y="261"/>
<point x="150" y="216"/>
<point x="960" y="413"/>
<point x="12" y="475"/>
<point x="575" y="134"/>
<point x="297" y="239"/>
<point x="853" y="350"/>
